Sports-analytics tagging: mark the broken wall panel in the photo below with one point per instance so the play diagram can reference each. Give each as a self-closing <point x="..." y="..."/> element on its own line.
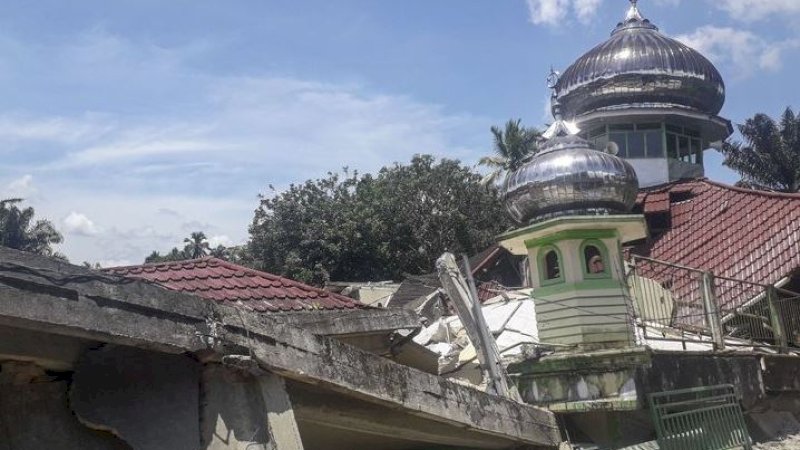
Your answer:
<point x="149" y="399"/>
<point x="35" y="414"/>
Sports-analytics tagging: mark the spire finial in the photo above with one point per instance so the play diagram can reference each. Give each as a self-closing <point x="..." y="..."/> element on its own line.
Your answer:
<point x="633" y="12"/>
<point x="552" y="83"/>
<point x="559" y="127"/>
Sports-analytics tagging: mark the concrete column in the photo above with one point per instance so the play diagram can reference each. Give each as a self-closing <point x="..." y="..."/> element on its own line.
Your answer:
<point x="240" y="411"/>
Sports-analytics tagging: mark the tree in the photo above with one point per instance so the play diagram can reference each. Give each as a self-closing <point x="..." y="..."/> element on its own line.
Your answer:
<point x="769" y="158"/>
<point x="359" y="228"/>
<point x="174" y="255"/>
<point x="511" y="147"/>
<point x="18" y="230"/>
<point x="235" y="254"/>
<point x="197" y="245"/>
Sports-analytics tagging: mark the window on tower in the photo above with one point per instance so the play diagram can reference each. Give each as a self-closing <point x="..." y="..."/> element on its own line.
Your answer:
<point x="550" y="270"/>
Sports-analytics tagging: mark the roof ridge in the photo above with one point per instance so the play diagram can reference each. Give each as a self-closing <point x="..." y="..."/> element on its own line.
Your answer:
<point x="669" y="184"/>
<point x="162" y="263"/>
<point x="790" y="195"/>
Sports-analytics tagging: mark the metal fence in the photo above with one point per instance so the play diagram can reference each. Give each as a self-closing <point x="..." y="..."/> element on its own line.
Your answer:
<point x="708" y="418"/>
<point x="674" y="302"/>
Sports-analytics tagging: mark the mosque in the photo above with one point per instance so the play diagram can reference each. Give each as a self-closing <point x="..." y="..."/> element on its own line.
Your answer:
<point x="647" y="277"/>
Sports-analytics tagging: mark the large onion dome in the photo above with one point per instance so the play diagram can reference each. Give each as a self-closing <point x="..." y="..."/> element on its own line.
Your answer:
<point x="568" y="177"/>
<point x="640" y="67"/>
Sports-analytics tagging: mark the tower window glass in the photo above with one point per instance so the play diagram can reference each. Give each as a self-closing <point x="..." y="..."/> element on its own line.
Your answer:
<point x="655" y="144"/>
<point x="649" y="140"/>
<point x="552" y="268"/>
<point x="636" y="145"/>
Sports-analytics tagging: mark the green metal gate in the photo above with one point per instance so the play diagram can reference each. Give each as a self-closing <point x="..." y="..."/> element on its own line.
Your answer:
<point x="704" y="418"/>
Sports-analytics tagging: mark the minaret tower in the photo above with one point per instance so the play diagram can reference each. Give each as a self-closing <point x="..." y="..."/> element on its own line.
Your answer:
<point x="573" y="205"/>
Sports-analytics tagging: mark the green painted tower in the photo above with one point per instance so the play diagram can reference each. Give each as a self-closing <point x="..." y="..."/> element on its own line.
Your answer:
<point x="576" y="270"/>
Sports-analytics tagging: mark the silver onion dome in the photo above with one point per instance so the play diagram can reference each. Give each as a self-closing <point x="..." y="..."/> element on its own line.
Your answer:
<point x="568" y="177"/>
<point x="639" y="66"/>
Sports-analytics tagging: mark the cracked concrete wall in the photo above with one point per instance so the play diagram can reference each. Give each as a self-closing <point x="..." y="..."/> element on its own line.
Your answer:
<point x="35" y="415"/>
<point x="150" y="400"/>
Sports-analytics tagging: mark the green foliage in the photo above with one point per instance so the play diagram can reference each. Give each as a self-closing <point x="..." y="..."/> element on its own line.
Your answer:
<point x="236" y="254"/>
<point x="769" y="158"/>
<point x="511" y="147"/>
<point x="174" y="255"/>
<point x="197" y="246"/>
<point x="19" y="230"/>
<point x="363" y="227"/>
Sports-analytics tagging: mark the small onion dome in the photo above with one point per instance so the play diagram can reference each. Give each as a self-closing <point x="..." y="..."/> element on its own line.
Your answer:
<point x="568" y="177"/>
<point x="639" y="66"/>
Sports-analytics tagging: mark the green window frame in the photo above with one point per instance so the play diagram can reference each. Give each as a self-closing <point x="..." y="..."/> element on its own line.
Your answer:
<point x="541" y="260"/>
<point x="603" y="250"/>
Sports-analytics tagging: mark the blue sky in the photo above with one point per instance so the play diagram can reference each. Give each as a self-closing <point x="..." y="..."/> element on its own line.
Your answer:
<point x="130" y="124"/>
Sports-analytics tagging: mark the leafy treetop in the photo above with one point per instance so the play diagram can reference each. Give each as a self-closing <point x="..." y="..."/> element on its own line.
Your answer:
<point x="353" y="227"/>
<point x="769" y="157"/>
<point x="511" y="146"/>
<point x="197" y="246"/>
<point x="18" y="230"/>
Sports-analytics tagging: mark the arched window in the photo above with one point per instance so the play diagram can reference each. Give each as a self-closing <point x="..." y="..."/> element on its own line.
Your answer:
<point x="550" y="268"/>
<point x="595" y="260"/>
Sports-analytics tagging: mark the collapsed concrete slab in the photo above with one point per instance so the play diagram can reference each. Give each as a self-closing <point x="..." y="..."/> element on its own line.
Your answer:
<point x="55" y="298"/>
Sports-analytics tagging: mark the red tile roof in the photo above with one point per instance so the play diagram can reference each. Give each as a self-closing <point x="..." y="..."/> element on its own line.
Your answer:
<point x="734" y="232"/>
<point x="223" y="282"/>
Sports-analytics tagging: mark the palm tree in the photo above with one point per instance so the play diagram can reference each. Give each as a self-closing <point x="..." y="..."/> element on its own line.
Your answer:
<point x="196" y="245"/>
<point x="511" y="147"/>
<point x="770" y="156"/>
<point x="19" y="231"/>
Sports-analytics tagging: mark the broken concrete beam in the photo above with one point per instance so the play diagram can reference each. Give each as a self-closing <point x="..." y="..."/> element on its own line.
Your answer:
<point x="351" y="322"/>
<point x="319" y="407"/>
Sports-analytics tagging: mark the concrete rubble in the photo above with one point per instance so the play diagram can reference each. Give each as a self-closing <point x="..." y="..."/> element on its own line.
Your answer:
<point x="97" y="361"/>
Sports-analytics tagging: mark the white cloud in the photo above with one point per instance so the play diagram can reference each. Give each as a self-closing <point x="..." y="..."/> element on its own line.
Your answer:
<point x="78" y="223"/>
<point x="752" y="10"/>
<point x="586" y="9"/>
<point x="51" y="129"/>
<point x="117" y="262"/>
<point x="195" y="147"/>
<point x="552" y="12"/>
<point x="743" y="50"/>
<point x="223" y="240"/>
<point x="21" y="187"/>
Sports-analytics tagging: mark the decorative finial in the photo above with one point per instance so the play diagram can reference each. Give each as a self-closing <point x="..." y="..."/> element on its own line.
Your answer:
<point x="552" y="82"/>
<point x="559" y="127"/>
<point x="552" y="78"/>
<point x="633" y="12"/>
